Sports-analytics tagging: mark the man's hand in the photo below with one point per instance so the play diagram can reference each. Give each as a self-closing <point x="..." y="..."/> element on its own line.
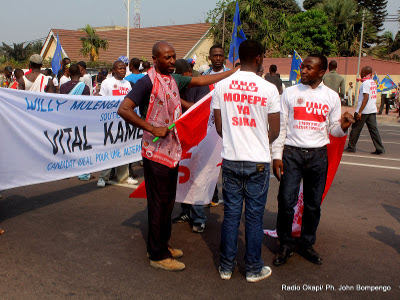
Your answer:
<point x="346" y="121"/>
<point x="159" y="131"/>
<point x="278" y="168"/>
<point x="357" y="116"/>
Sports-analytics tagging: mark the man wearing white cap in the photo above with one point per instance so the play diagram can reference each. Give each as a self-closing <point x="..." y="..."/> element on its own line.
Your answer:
<point x="36" y="81"/>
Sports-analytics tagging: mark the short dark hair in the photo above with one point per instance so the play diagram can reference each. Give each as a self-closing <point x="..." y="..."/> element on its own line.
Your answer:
<point x="273" y="68"/>
<point x="146" y="64"/>
<point x="82" y="64"/>
<point x="74" y="70"/>
<point x="65" y="59"/>
<point x="17" y="72"/>
<point x="182" y="66"/>
<point x="215" y="47"/>
<point x="250" y="49"/>
<point x="8" y="69"/>
<point x="135" y="63"/>
<point x="332" y="64"/>
<point x="322" y="59"/>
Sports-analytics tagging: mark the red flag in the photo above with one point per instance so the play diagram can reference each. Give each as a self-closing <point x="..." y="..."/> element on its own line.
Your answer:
<point x="191" y="128"/>
<point x="335" y="151"/>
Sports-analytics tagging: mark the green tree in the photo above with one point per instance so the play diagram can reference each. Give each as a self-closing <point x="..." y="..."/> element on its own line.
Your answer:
<point x="377" y="8"/>
<point x="262" y="20"/>
<point x="310" y="4"/>
<point x="310" y="32"/>
<point x="17" y="52"/>
<point x="92" y="43"/>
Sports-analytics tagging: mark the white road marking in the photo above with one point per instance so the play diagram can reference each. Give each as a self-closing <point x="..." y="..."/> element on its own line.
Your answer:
<point x="371" y="166"/>
<point x="372" y="157"/>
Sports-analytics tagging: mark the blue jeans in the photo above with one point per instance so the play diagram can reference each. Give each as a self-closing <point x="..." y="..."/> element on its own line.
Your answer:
<point x="249" y="182"/>
<point x="195" y="212"/>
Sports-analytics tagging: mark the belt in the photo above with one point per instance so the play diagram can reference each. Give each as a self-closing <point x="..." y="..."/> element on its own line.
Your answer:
<point x="306" y="149"/>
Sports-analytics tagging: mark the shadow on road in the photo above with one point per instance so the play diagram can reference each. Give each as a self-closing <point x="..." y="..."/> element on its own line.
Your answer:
<point x="388" y="235"/>
<point x="16" y="205"/>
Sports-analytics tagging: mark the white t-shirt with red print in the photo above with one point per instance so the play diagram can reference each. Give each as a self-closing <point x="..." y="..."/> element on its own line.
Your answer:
<point x="367" y="87"/>
<point x="307" y="117"/>
<point x="114" y="87"/>
<point x="245" y="100"/>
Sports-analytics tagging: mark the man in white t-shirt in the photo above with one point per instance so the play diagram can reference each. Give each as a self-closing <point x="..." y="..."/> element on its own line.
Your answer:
<point x="246" y="112"/>
<point x="366" y="113"/>
<point x="116" y="86"/>
<point x="310" y="111"/>
<point x="85" y="77"/>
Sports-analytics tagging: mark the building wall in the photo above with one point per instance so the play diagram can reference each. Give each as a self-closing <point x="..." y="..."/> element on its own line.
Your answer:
<point x="201" y="50"/>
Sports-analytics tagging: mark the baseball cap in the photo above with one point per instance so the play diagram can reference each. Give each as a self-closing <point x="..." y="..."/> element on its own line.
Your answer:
<point x="124" y="59"/>
<point x="191" y="61"/>
<point x="36" y="59"/>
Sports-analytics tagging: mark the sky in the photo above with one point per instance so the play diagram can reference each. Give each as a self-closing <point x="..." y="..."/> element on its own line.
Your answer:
<point x="39" y="16"/>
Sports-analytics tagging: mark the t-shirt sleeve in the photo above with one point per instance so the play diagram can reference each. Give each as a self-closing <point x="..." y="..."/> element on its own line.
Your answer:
<point x="141" y="91"/>
<point x="215" y="103"/>
<point x="182" y="81"/>
<point x="104" y="88"/>
<point x="274" y="102"/>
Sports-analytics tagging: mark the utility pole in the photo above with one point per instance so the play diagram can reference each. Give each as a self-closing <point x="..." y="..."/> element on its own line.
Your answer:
<point x="127" y="2"/>
<point x="359" y="58"/>
<point x="223" y="31"/>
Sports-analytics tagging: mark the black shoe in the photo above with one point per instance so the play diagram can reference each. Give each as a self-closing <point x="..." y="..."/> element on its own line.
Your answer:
<point x="376" y="152"/>
<point x="311" y="255"/>
<point x="349" y="150"/>
<point x="198" y="227"/>
<point x="283" y="254"/>
<point x="182" y="218"/>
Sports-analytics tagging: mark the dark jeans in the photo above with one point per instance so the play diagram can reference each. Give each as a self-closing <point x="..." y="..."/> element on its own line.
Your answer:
<point x="356" y="128"/>
<point x="161" y="190"/>
<point x="311" y="165"/>
<point x="195" y="212"/>
<point x="248" y="182"/>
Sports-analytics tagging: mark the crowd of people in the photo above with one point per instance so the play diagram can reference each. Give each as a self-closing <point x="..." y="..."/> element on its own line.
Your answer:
<point x="268" y="114"/>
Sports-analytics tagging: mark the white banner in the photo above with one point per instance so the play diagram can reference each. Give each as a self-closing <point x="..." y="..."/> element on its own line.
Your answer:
<point x="47" y="137"/>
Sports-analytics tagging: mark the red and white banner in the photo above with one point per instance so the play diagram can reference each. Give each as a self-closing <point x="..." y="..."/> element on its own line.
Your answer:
<point x="201" y="155"/>
<point x="335" y="151"/>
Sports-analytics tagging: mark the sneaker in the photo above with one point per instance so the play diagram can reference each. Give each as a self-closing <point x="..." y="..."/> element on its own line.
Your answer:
<point x="198" y="227"/>
<point x="182" y="218"/>
<point x="264" y="273"/>
<point x="176" y="253"/>
<point x="225" y="275"/>
<point x="131" y="181"/>
<point x="101" y="183"/>
<point x="350" y="150"/>
<point x="168" y="264"/>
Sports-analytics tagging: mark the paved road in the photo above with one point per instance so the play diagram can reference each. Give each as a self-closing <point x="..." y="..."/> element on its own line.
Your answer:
<point x="70" y="240"/>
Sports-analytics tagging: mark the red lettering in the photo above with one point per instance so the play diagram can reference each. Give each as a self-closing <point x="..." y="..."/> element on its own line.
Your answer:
<point x="235" y="121"/>
<point x="246" y="122"/>
<point x="250" y="99"/>
<point x="246" y="110"/>
<point x="240" y="108"/>
<point x="236" y="97"/>
<point x="228" y="97"/>
<point x="243" y="97"/>
<point x="253" y="123"/>
<point x="257" y="99"/>
<point x="264" y="102"/>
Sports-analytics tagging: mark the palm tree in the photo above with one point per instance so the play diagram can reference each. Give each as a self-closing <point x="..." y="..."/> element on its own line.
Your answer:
<point x="17" y="52"/>
<point x="92" y="43"/>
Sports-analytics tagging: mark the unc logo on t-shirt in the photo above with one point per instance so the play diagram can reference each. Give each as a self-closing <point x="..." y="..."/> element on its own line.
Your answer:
<point x="120" y="91"/>
<point x="243" y="86"/>
<point x="311" y="112"/>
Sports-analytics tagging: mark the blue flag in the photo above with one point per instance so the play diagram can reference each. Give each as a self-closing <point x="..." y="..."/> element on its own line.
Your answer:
<point x="378" y="83"/>
<point x="237" y="38"/>
<point x="56" y="61"/>
<point x="295" y="68"/>
<point x="387" y="84"/>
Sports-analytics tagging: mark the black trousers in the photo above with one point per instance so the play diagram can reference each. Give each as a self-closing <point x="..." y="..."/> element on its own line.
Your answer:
<point x="311" y="165"/>
<point x="356" y="128"/>
<point x="384" y="101"/>
<point x="161" y="191"/>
